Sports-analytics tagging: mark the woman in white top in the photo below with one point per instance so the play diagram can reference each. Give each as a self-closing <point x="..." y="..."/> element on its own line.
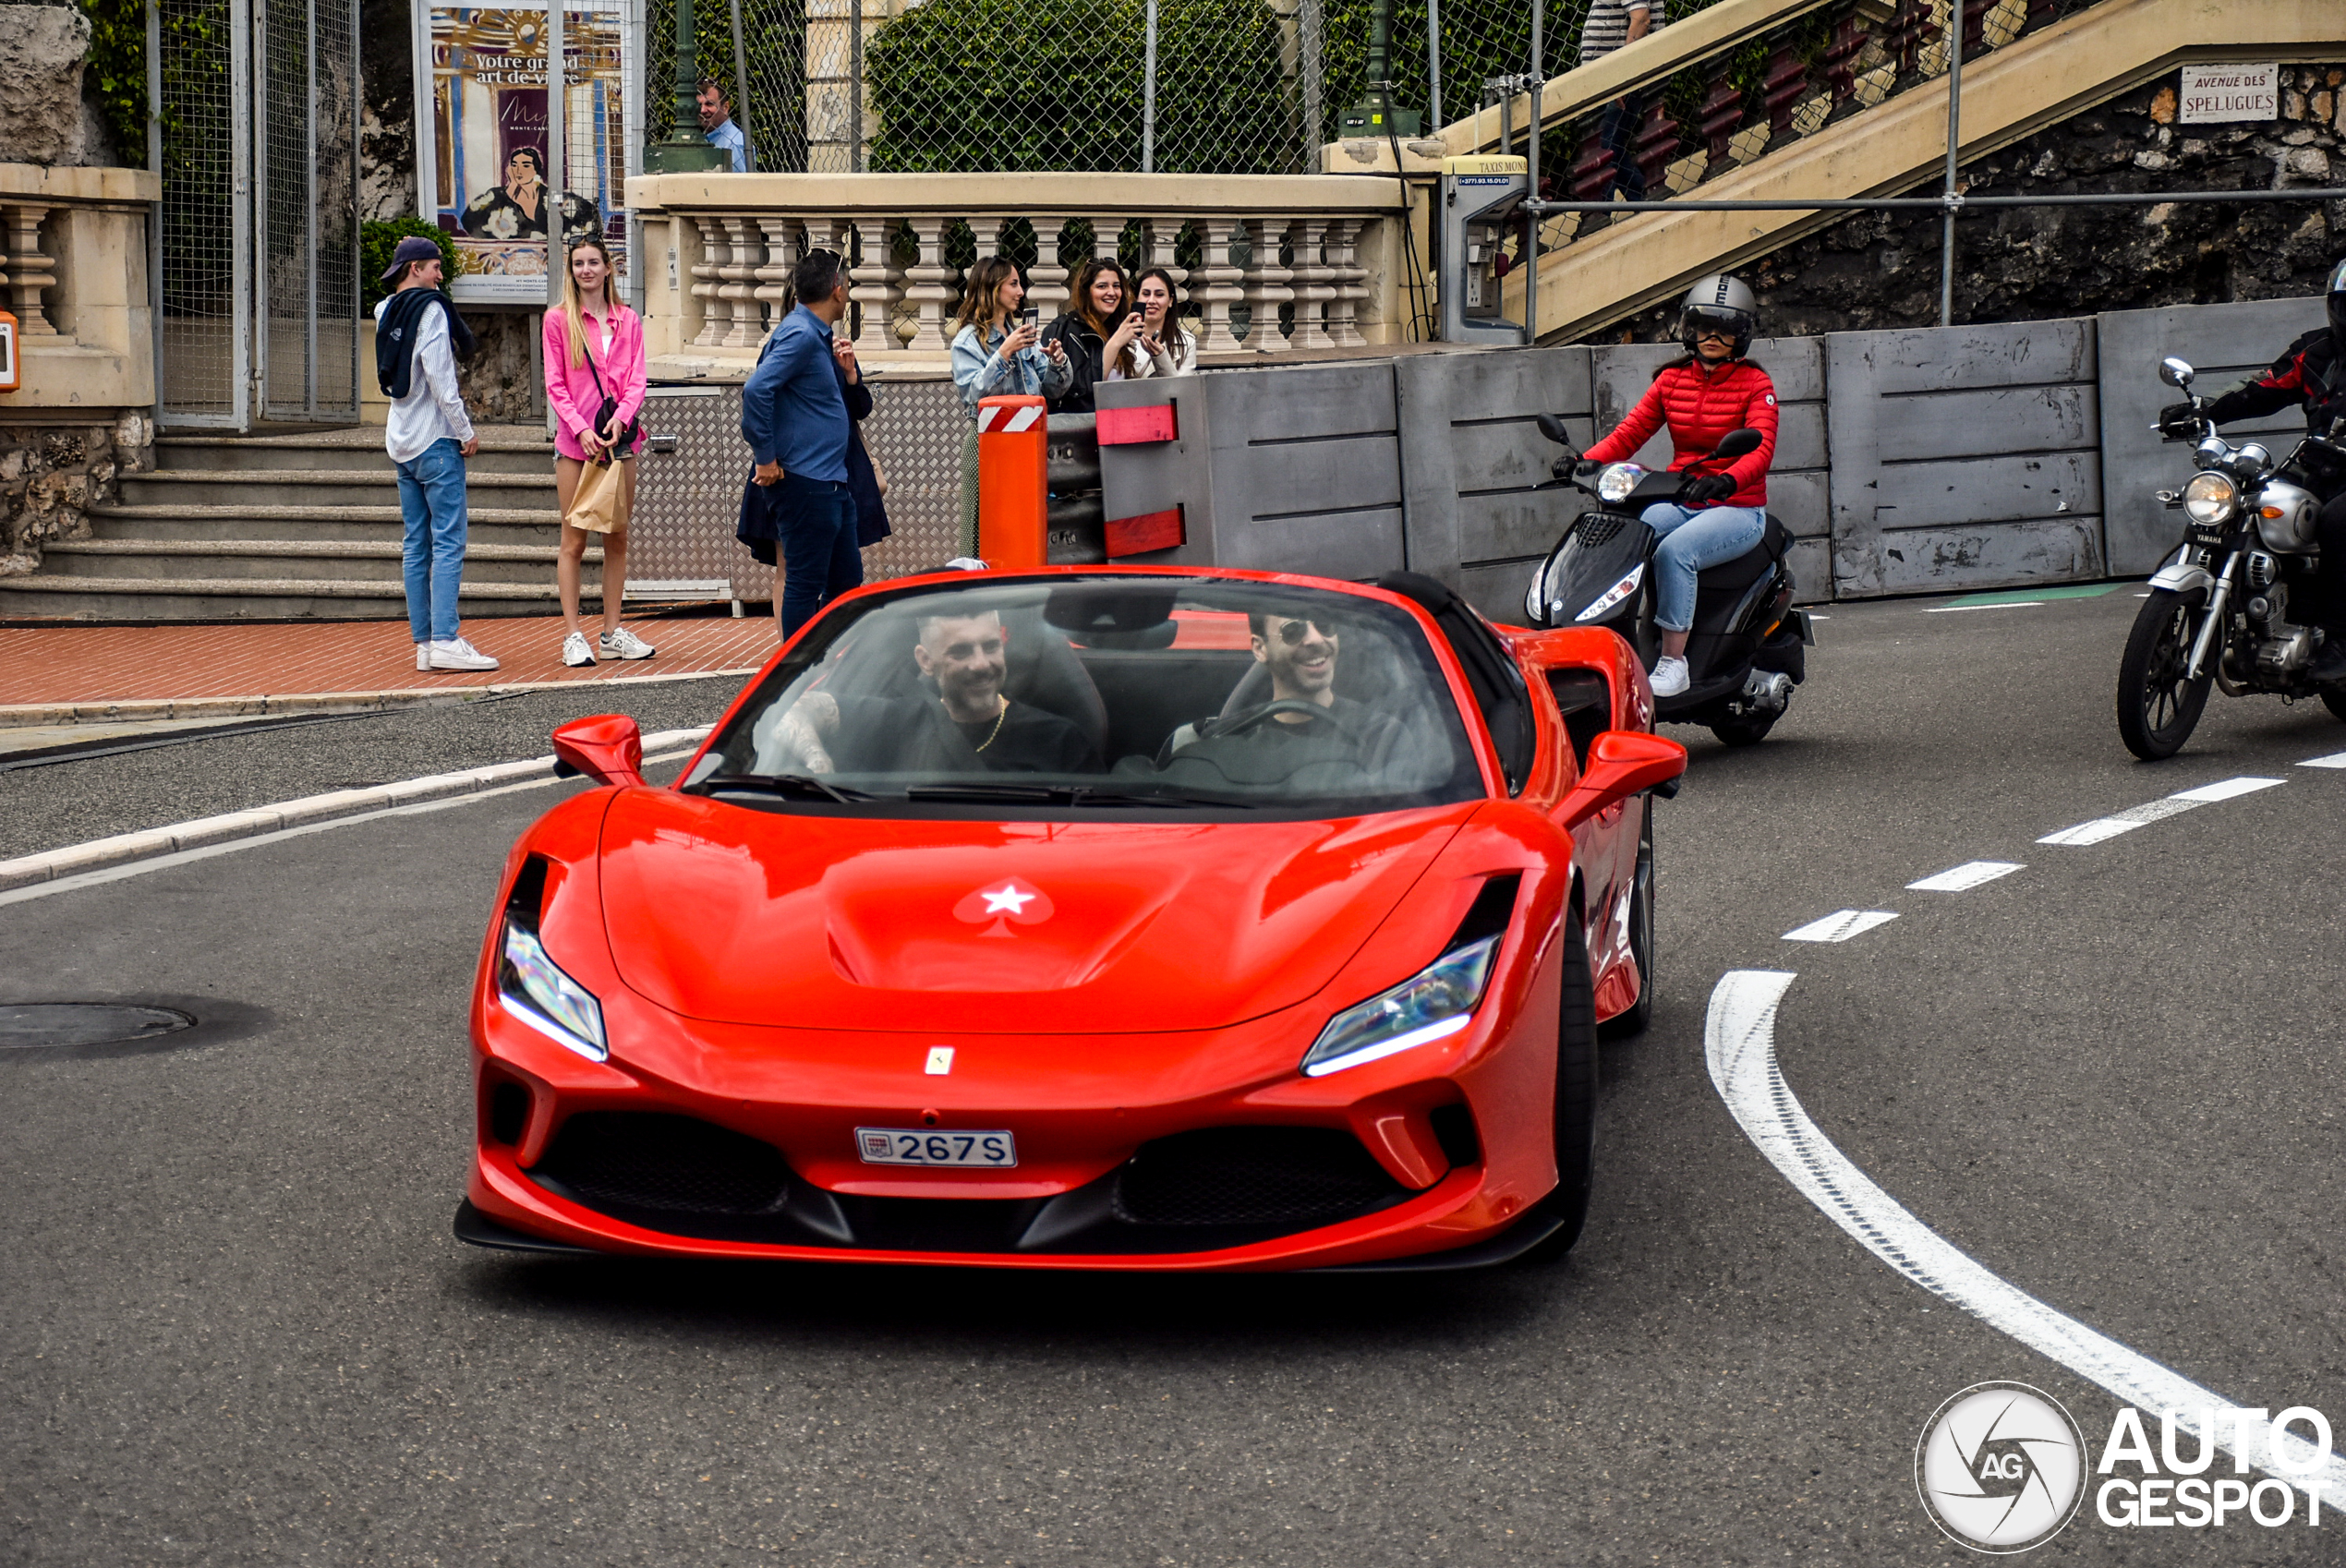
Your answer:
<point x="1167" y="347"/>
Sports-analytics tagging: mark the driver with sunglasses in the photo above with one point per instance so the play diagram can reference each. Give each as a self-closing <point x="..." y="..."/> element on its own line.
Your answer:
<point x="1703" y="394"/>
<point x="1304" y="726"/>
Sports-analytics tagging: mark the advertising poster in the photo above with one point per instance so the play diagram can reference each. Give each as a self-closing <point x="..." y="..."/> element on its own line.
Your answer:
<point x="487" y="179"/>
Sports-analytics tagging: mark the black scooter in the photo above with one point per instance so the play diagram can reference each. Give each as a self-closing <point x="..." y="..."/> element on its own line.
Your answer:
<point x="1748" y="646"/>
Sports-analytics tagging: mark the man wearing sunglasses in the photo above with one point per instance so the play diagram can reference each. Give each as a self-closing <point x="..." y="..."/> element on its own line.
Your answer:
<point x="1304" y="729"/>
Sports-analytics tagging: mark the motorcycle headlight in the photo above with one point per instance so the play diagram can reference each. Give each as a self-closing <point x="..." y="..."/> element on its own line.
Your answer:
<point x="534" y="990"/>
<point x="1433" y="1004"/>
<point x="1615" y="594"/>
<point x="1617" y="481"/>
<point x="2211" y="498"/>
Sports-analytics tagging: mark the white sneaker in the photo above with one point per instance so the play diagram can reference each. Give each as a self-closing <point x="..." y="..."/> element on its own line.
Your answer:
<point x="458" y="654"/>
<point x="575" y="653"/>
<point x="1669" y="677"/>
<point x="624" y="644"/>
<point x="423" y="656"/>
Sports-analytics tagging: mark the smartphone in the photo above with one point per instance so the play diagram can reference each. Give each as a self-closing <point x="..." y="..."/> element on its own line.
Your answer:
<point x="1030" y="316"/>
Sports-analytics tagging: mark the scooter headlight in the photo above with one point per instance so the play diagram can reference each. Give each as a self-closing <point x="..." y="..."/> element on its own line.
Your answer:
<point x="1615" y="485"/>
<point x="2211" y="498"/>
<point x="1615" y="594"/>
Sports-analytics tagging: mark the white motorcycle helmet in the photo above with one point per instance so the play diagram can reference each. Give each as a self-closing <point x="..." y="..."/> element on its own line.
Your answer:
<point x="1721" y="301"/>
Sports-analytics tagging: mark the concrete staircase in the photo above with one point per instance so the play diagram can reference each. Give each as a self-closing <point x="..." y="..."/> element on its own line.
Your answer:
<point x="296" y="526"/>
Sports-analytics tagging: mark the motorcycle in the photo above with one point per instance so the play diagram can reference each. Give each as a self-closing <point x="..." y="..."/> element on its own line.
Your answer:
<point x="2219" y="611"/>
<point x="1748" y="646"/>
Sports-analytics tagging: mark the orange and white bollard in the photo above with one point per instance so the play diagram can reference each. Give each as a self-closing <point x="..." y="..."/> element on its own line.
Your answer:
<point x="1013" y="482"/>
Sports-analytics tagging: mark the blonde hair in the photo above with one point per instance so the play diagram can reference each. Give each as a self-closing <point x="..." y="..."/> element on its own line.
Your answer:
<point x="574" y="316"/>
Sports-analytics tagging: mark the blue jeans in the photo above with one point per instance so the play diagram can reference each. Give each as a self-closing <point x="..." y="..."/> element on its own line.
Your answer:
<point x="432" y="500"/>
<point x="1617" y="134"/>
<point x="1690" y="541"/>
<point x="815" y="524"/>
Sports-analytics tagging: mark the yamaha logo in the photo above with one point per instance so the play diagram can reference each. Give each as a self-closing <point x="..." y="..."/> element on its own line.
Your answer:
<point x="2001" y="1467"/>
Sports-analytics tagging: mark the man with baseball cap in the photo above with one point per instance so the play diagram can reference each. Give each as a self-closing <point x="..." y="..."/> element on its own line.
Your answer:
<point x="429" y="437"/>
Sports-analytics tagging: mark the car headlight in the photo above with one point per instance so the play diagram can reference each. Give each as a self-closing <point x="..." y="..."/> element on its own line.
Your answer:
<point x="534" y="990"/>
<point x="1617" y="481"/>
<point x="2211" y="498"/>
<point x="1615" y="594"/>
<point x="1433" y="1004"/>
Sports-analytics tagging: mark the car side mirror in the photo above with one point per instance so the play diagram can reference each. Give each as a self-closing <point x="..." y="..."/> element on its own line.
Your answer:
<point x="1735" y="444"/>
<point x="1622" y="762"/>
<point x="608" y="748"/>
<point x="2176" y="373"/>
<point x="1553" y="428"/>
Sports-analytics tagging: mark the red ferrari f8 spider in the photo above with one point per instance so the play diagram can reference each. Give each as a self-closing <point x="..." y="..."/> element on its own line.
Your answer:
<point x="1150" y="917"/>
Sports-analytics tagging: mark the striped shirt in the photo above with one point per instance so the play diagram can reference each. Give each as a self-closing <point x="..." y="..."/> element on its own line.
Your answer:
<point x="1607" y="27"/>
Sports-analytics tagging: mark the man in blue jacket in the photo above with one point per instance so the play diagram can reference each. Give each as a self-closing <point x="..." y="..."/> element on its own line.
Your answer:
<point x="794" y="418"/>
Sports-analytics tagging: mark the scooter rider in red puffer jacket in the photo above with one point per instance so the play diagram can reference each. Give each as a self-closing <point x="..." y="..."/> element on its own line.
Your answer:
<point x="1703" y="395"/>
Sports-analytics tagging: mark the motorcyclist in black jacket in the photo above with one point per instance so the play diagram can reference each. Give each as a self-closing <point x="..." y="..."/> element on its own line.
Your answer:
<point x="2312" y="372"/>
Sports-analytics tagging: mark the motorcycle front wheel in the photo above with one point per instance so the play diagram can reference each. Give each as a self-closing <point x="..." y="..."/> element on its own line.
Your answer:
<point x="2158" y="708"/>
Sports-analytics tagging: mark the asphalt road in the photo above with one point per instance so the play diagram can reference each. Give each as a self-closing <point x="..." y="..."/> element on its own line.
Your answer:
<point x="236" y="1329"/>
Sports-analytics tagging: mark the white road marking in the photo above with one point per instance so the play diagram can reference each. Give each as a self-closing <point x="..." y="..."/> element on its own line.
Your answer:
<point x="185" y="857"/>
<point x="1740" y="1045"/>
<point x="2336" y="759"/>
<point x="1840" y="926"/>
<point x="2126" y="821"/>
<point x="1964" y="878"/>
<point x="1959" y="609"/>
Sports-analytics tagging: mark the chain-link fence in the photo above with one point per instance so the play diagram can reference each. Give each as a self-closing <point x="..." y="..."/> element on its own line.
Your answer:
<point x="1172" y="86"/>
<point x="306" y="108"/>
<point x="200" y="83"/>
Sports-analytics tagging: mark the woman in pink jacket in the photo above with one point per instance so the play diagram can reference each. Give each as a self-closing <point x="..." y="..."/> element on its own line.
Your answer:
<point x="594" y="350"/>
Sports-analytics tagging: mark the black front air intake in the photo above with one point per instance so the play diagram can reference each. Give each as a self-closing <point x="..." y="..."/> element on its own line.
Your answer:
<point x="628" y="1162"/>
<point x="1288" y="1177"/>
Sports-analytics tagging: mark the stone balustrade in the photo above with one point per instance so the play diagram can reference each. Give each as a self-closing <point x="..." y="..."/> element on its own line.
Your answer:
<point x="73" y="271"/>
<point x="1266" y="264"/>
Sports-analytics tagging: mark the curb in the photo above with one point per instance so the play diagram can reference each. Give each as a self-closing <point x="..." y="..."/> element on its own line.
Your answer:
<point x="100" y="854"/>
<point x="136" y="709"/>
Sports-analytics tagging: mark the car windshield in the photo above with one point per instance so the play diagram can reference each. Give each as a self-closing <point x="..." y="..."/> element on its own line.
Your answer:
<point x="1075" y="695"/>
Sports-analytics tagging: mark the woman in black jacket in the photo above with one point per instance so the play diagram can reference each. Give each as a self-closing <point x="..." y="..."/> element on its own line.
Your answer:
<point x="1099" y="333"/>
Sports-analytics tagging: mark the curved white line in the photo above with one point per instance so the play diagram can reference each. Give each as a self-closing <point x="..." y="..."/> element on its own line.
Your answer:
<point x="1740" y="1041"/>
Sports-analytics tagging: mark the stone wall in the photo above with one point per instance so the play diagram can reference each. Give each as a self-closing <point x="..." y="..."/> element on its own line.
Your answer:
<point x="43" y="119"/>
<point x="387" y="111"/>
<point x="498" y="382"/>
<point x="50" y="474"/>
<point x="1880" y="270"/>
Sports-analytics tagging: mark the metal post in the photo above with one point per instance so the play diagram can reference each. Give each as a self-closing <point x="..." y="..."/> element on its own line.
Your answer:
<point x="557" y="242"/>
<point x="1954" y="141"/>
<point x="358" y="109"/>
<point x="684" y="151"/>
<point x="1433" y="55"/>
<point x="1148" y="95"/>
<point x="741" y="91"/>
<point x="1314" y="129"/>
<point x="154" y="213"/>
<point x="1531" y="230"/>
<point x="240" y="79"/>
<point x="309" y="192"/>
<point x="557" y="161"/>
<point x="855" y="86"/>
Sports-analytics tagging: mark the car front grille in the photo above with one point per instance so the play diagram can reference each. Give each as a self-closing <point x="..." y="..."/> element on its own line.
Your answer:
<point x="1292" y="1177"/>
<point x="1192" y="1192"/>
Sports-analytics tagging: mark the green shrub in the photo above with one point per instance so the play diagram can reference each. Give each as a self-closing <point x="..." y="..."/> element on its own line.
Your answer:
<point x="116" y="70"/>
<point x="378" y="238"/>
<point x="977" y="85"/>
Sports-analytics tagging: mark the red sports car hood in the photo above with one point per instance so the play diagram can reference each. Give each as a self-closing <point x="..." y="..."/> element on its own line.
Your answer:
<point x="747" y="916"/>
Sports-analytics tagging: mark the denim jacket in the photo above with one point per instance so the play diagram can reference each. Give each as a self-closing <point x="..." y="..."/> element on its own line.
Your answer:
<point x="980" y="372"/>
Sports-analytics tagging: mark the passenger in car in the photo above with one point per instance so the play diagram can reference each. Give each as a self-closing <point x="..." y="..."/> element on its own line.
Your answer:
<point x="970" y="725"/>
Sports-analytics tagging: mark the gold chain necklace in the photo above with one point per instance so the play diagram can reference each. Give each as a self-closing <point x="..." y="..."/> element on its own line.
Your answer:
<point x="997" y="730"/>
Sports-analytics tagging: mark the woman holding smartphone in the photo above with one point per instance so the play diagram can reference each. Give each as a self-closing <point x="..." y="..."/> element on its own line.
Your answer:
<point x="1166" y="348"/>
<point x="996" y="354"/>
<point x="1100" y="333"/>
<point x="594" y="358"/>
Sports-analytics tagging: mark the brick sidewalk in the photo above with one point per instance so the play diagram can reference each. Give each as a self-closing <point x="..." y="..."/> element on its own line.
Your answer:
<point x="118" y="664"/>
